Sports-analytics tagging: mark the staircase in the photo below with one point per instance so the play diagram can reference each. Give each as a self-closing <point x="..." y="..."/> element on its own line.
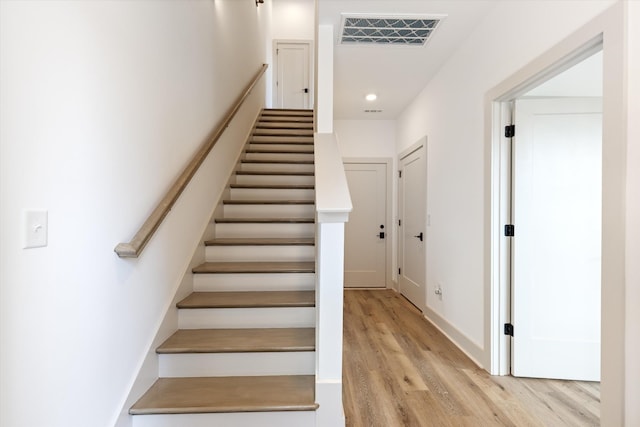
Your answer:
<point x="244" y="353"/>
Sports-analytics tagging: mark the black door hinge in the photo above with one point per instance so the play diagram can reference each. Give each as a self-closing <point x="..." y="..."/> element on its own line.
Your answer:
<point x="510" y="131"/>
<point x="399" y="174"/>
<point x="508" y="329"/>
<point x="399" y="272"/>
<point x="399" y="223"/>
<point x="509" y="230"/>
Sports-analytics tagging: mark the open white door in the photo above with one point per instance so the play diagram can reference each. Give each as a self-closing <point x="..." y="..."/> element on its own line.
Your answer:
<point x="366" y="233"/>
<point x="412" y="238"/>
<point x="556" y="258"/>
<point x="292" y="75"/>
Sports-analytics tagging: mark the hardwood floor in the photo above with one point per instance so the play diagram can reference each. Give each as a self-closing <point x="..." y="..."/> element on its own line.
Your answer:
<point x="399" y="370"/>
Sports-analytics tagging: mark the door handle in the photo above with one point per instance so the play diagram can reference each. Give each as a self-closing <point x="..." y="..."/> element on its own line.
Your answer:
<point x="419" y="236"/>
<point x="306" y="90"/>
<point x="381" y="235"/>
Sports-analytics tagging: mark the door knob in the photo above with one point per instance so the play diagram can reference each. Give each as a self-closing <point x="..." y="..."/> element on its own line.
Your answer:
<point x="381" y="235"/>
<point x="306" y="90"/>
<point x="419" y="236"/>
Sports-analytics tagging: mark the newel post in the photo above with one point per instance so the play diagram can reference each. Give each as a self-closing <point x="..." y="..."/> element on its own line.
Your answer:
<point x="333" y="204"/>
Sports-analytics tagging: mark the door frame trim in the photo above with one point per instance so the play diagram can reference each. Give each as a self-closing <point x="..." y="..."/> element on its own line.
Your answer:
<point x="274" y="78"/>
<point x="502" y="109"/>
<point x="388" y="162"/>
<point x="609" y="28"/>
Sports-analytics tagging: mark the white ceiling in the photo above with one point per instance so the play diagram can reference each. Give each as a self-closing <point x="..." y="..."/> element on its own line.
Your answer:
<point x="395" y="73"/>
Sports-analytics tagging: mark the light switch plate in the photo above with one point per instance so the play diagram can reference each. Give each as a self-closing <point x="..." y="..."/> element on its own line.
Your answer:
<point x="35" y="229"/>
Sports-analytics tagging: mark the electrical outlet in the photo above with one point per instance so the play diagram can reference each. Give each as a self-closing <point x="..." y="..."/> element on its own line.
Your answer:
<point x="35" y="229"/>
<point x="438" y="291"/>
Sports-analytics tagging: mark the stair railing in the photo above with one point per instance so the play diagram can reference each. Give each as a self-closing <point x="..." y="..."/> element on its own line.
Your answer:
<point x="133" y="248"/>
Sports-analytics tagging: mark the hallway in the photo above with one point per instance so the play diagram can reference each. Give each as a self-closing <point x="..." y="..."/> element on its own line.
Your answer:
<point x="401" y="371"/>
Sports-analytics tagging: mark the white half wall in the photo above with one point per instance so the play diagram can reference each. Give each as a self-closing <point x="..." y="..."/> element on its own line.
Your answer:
<point x="450" y="111"/>
<point x="102" y="105"/>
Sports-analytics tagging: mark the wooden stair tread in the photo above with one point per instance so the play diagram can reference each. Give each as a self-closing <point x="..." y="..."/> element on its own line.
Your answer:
<point x="287" y="111"/>
<point x="282" y="139"/>
<point x="239" y="340"/>
<point x="276" y="186"/>
<point x="256" y="267"/>
<point x="228" y="394"/>
<point x="268" y="143"/>
<point x="275" y="173"/>
<point x="277" y="151"/>
<point x="264" y="220"/>
<point x="282" y="132"/>
<point x="248" y="299"/>
<point x="268" y="202"/>
<point x="282" y="161"/>
<point x="251" y="241"/>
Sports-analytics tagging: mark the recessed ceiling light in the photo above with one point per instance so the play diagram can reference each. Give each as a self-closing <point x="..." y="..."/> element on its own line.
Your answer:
<point x="371" y="97"/>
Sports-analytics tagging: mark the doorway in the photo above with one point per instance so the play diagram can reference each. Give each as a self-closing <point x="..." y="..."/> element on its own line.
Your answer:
<point x="292" y="87"/>
<point x="412" y="196"/>
<point x="551" y="183"/>
<point x="367" y="256"/>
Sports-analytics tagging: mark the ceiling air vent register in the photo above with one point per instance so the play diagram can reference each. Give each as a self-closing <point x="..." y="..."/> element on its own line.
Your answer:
<point x="388" y="29"/>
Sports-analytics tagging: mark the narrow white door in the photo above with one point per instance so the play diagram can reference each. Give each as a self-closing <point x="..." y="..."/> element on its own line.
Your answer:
<point x="557" y="244"/>
<point x="412" y="236"/>
<point x="292" y="75"/>
<point x="366" y="232"/>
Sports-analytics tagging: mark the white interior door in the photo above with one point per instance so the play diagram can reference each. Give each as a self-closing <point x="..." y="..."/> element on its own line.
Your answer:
<point x="366" y="231"/>
<point x="556" y="258"/>
<point x="292" y="75"/>
<point x="412" y="236"/>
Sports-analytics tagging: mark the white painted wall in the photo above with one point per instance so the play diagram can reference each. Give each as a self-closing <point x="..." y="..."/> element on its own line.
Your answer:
<point x="293" y="20"/>
<point x="632" y="321"/>
<point x="289" y="20"/>
<point x="324" y="80"/>
<point x="450" y="111"/>
<point x="102" y="105"/>
<point x="366" y="138"/>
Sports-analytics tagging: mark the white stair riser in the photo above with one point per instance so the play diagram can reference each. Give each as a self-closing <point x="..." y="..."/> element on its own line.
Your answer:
<point x="277" y="167"/>
<point x="260" y="253"/>
<point x="243" y="282"/>
<point x="281" y="147"/>
<point x="271" y="194"/>
<point x="264" y="230"/>
<point x="237" y="318"/>
<point x="282" y="140"/>
<point x="235" y="419"/>
<point x="278" y="123"/>
<point x="283" y="132"/>
<point x="237" y="364"/>
<point x="276" y="179"/>
<point x="287" y="157"/>
<point x="269" y="211"/>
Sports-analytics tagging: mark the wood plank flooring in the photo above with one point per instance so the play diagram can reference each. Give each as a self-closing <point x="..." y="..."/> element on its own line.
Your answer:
<point x="399" y="370"/>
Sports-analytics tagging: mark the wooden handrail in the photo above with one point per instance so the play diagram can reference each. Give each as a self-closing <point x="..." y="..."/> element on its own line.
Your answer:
<point x="133" y="248"/>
